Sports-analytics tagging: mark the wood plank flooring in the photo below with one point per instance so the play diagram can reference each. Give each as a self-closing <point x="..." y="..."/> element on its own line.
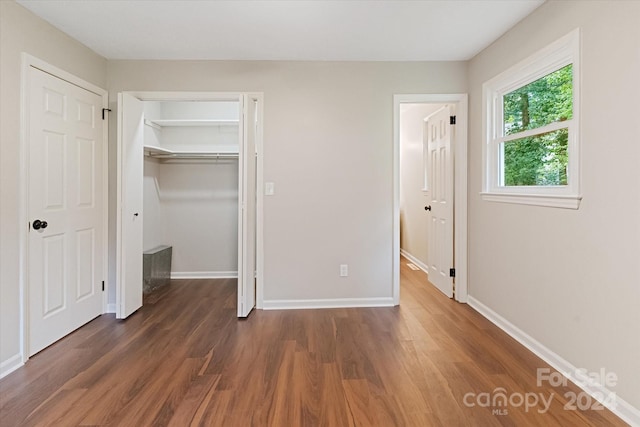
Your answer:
<point x="185" y="360"/>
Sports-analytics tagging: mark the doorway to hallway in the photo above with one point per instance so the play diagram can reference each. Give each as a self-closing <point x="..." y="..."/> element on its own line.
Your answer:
<point x="430" y="189"/>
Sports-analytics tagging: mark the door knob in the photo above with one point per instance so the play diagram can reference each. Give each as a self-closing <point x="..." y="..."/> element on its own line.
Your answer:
<point x="427" y="208"/>
<point x="37" y="224"/>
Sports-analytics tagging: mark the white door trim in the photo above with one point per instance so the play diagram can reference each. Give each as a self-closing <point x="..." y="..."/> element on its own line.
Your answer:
<point x="459" y="146"/>
<point x="221" y="96"/>
<point x="23" y="197"/>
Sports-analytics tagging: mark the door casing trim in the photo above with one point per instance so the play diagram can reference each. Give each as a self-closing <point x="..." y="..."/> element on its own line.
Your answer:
<point x="459" y="148"/>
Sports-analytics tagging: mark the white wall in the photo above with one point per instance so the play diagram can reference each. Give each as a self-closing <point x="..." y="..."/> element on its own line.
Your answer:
<point x="199" y="208"/>
<point x="413" y="217"/>
<point x="153" y="233"/>
<point x="328" y="147"/>
<point x="21" y="31"/>
<point x="570" y="278"/>
<point x="199" y="110"/>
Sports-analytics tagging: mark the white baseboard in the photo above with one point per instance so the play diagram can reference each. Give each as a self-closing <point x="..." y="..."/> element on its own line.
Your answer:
<point x="415" y="260"/>
<point x="204" y="274"/>
<point x="620" y="407"/>
<point x="111" y="308"/>
<point x="326" y="303"/>
<point x="10" y="365"/>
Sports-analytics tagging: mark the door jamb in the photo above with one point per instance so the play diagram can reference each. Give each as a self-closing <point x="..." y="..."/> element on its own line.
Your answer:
<point x="28" y="61"/>
<point x="221" y="96"/>
<point x="460" y="187"/>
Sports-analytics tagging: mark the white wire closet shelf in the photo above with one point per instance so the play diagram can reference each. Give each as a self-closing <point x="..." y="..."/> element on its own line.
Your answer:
<point x="160" y="123"/>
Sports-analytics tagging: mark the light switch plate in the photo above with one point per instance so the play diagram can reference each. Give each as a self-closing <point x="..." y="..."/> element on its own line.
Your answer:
<point x="269" y="188"/>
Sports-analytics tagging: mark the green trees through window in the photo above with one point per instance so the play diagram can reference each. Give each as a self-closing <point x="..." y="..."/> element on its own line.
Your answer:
<point x="541" y="158"/>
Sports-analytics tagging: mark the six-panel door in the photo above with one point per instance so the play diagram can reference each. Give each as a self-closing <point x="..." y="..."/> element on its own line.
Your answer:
<point x="65" y="208"/>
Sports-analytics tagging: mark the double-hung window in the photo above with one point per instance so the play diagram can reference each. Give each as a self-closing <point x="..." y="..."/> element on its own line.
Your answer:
<point x="531" y="145"/>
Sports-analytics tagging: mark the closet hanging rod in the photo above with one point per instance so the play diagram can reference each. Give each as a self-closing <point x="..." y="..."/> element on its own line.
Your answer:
<point x="213" y="156"/>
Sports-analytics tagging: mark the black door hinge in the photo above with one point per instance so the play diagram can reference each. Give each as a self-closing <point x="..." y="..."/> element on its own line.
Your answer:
<point x="103" y="286"/>
<point x="452" y="120"/>
<point x="104" y="110"/>
<point x="452" y="272"/>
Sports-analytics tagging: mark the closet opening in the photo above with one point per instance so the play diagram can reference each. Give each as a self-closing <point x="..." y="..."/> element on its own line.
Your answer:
<point x="187" y="193"/>
<point x="190" y="189"/>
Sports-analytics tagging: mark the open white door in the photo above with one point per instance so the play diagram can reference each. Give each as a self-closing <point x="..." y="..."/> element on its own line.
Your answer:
<point x="129" y="210"/>
<point x="437" y="137"/>
<point x="247" y="205"/>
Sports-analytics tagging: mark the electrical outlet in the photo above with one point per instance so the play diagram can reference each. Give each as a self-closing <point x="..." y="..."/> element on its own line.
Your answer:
<point x="344" y="270"/>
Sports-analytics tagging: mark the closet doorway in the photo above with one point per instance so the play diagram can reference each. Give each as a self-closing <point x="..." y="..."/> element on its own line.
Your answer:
<point x="189" y="170"/>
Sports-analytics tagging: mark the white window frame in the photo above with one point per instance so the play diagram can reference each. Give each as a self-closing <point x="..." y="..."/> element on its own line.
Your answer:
<point x="559" y="54"/>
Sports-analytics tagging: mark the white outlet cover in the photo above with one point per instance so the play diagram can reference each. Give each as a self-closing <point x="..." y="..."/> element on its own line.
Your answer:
<point x="344" y="270"/>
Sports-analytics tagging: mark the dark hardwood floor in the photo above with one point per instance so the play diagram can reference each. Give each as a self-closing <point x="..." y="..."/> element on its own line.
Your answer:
<point x="185" y="360"/>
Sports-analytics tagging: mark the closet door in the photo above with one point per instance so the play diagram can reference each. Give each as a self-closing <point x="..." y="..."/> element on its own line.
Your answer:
<point x="247" y="205"/>
<point x="129" y="210"/>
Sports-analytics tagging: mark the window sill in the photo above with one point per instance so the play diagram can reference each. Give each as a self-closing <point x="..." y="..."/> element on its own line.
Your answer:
<point x="552" y="201"/>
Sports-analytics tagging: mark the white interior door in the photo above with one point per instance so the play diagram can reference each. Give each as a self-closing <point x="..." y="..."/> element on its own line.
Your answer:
<point x="65" y="206"/>
<point x="247" y="206"/>
<point x="129" y="210"/>
<point x="440" y="175"/>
